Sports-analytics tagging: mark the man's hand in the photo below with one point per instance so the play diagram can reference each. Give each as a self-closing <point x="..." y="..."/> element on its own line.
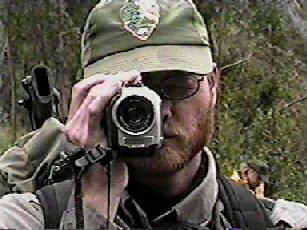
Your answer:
<point x="89" y="100"/>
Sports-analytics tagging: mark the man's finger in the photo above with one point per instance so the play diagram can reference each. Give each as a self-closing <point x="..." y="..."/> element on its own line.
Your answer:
<point x="81" y="89"/>
<point x="87" y="83"/>
<point x="99" y="99"/>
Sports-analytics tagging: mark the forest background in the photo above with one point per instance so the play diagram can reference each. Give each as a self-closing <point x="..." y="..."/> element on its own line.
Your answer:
<point x="259" y="45"/>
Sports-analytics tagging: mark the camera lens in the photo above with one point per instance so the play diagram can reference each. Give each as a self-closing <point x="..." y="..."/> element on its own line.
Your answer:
<point x="135" y="114"/>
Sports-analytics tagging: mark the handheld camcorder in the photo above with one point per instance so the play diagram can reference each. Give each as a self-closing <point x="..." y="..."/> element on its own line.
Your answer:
<point x="133" y="122"/>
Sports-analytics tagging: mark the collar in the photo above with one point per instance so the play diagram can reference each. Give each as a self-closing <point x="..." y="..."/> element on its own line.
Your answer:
<point x="197" y="207"/>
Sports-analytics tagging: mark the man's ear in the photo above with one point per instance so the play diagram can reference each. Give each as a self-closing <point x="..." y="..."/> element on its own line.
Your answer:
<point x="214" y="84"/>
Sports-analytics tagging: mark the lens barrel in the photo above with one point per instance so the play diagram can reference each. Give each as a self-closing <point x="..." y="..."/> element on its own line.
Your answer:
<point x="132" y="121"/>
<point x="135" y="114"/>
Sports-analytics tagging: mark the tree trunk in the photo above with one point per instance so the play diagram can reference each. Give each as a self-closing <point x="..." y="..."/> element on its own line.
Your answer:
<point x="4" y="91"/>
<point x="12" y="73"/>
<point x="61" y="69"/>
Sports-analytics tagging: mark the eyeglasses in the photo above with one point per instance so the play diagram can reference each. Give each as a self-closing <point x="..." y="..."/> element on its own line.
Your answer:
<point x="175" y="85"/>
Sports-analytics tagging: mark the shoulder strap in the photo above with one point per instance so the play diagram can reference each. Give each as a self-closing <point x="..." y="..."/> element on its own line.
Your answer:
<point x="242" y="209"/>
<point x="54" y="200"/>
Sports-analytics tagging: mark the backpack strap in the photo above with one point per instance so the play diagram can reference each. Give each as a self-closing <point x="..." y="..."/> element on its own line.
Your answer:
<point x="242" y="209"/>
<point x="54" y="200"/>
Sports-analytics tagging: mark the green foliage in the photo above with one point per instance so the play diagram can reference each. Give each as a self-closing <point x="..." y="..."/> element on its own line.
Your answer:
<point x="251" y="120"/>
<point x="4" y="141"/>
<point x="5" y="137"/>
<point x="42" y="32"/>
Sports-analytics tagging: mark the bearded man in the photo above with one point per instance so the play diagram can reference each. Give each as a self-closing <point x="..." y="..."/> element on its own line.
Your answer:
<point x="164" y="46"/>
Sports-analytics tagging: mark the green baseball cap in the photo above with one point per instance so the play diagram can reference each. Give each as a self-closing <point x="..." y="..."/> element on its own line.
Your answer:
<point x="145" y="35"/>
<point x="261" y="168"/>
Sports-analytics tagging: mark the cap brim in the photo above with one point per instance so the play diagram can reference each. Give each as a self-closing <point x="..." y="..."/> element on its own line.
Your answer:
<point x="196" y="59"/>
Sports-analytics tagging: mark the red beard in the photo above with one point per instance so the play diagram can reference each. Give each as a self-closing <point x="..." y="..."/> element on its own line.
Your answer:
<point x="176" y="151"/>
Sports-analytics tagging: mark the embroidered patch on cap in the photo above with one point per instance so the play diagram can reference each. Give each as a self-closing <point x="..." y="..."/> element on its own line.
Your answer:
<point x="140" y="17"/>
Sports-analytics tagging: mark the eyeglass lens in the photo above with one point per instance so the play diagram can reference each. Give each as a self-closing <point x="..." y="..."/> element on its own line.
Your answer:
<point x="175" y="86"/>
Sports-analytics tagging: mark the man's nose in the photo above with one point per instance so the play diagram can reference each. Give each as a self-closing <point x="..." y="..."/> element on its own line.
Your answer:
<point x="166" y="110"/>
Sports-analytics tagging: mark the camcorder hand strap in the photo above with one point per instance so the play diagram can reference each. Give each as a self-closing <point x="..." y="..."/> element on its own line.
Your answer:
<point x="98" y="155"/>
<point x="54" y="197"/>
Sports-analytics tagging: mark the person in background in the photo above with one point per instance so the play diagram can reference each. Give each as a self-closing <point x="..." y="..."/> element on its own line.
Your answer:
<point x="253" y="175"/>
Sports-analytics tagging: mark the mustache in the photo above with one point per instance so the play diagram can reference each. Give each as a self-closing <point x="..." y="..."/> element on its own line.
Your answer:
<point x="171" y="130"/>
